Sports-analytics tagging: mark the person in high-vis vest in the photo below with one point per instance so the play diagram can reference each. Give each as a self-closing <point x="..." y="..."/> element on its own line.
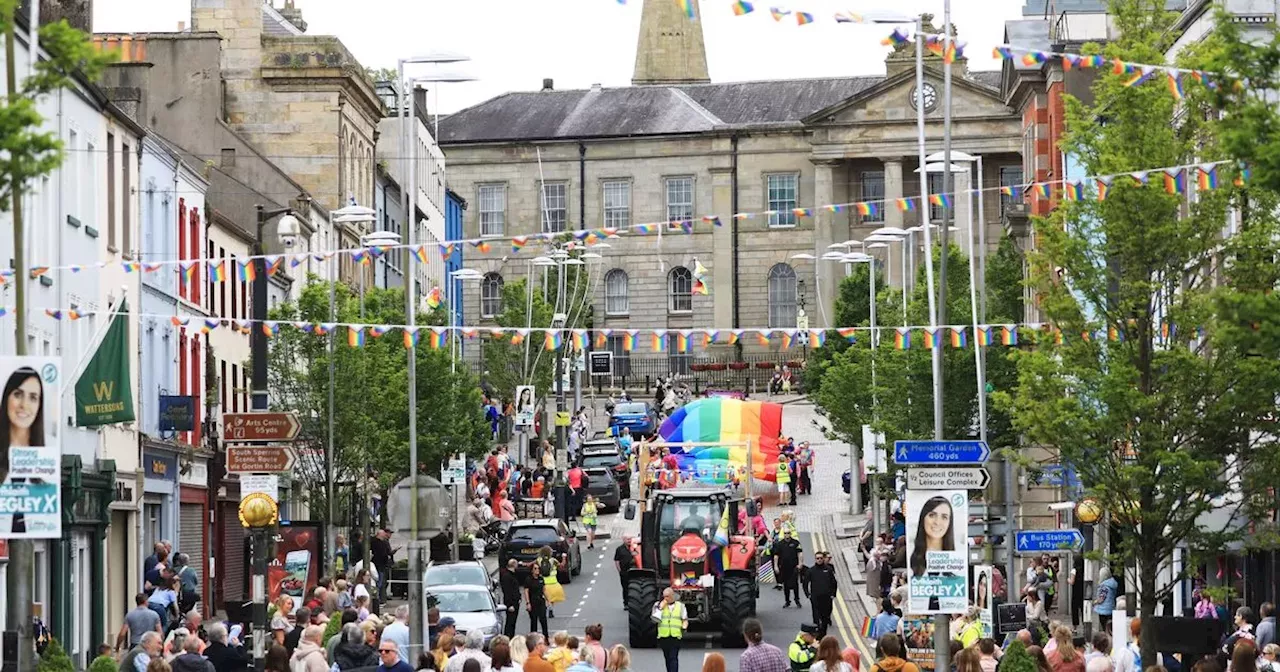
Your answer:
<point x="802" y="651"/>
<point x="673" y="620"/>
<point x="590" y="518"/>
<point x="550" y="579"/>
<point x="784" y="481"/>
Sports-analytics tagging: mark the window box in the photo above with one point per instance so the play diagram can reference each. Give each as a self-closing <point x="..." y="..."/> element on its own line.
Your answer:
<point x="717" y="366"/>
<point x="698" y="367"/>
<point x="764" y="365"/>
<point x="739" y="366"/>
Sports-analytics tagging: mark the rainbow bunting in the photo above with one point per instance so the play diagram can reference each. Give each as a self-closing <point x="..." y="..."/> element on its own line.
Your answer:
<point x="682" y="341"/>
<point x="435" y="338"/>
<point x="218" y="271"/>
<point x="959" y="337"/>
<point x="687" y="226"/>
<point x="468" y="332"/>
<point x="896" y="39"/>
<point x="1002" y="52"/>
<point x="940" y="200"/>
<point x="659" y="341"/>
<point x="74" y="268"/>
<point x="849" y="333"/>
<point x="949" y="50"/>
<point x="1119" y="67"/>
<point x="848" y="17"/>
<point x="273" y="262"/>
<point x="355" y="336"/>
<point x="1086" y="336"/>
<point x="1033" y="58"/>
<point x="130" y="266"/>
<point x="803" y="18"/>
<point x="1009" y="335"/>
<point x="518" y="337"/>
<point x="1175" y="85"/>
<point x="552" y="340"/>
<point x="817" y="338"/>
<point x="709" y="336"/>
<point x="1104" y="188"/>
<point x="270" y="329"/>
<point x="1115" y="334"/>
<point x="55" y="314"/>
<point x="378" y="330"/>
<point x="410" y="335"/>
<point x="1070" y="61"/>
<point x="602" y="339"/>
<point x="984" y="336"/>
<point x="905" y="204"/>
<point x="686" y="6"/>
<point x="151" y="268"/>
<point x="38" y="271"/>
<point x="802" y="212"/>
<point x="3" y="311"/>
<point x="732" y="337"/>
<point x="932" y="338"/>
<point x="1207" y="178"/>
<point x="901" y="339"/>
<point x="1140" y="177"/>
<point x="786" y="340"/>
<point x="741" y="8"/>
<point x="187" y="272"/>
<point x="420" y="253"/>
<point x="209" y="325"/>
<point x="777" y="13"/>
<point x="518" y="242"/>
<point x="1012" y="191"/>
<point x="867" y="209"/>
<point x="644" y="229"/>
<point x="578" y="339"/>
<point x="179" y="321"/>
<point x="446" y="251"/>
<point x="1242" y="178"/>
<point x="360" y="257"/>
<point x="1143" y="74"/>
<point x="1073" y="191"/>
<point x="1041" y="190"/>
<point x="1057" y="336"/>
<point x="1175" y="182"/>
<point x="247" y="270"/>
<point x="483" y="246"/>
<point x="435" y="297"/>
<point x="297" y="260"/>
<point x="325" y="328"/>
<point x="629" y="340"/>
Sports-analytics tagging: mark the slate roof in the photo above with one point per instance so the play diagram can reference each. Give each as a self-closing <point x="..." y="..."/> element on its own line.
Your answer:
<point x="655" y="110"/>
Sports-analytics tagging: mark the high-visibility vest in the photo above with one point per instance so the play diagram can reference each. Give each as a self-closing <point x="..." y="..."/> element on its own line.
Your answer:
<point x="671" y="623"/>
<point x="784" y="474"/>
<point x="801" y="654"/>
<point x="553" y="576"/>
<point x="589" y="514"/>
<point x="971" y="634"/>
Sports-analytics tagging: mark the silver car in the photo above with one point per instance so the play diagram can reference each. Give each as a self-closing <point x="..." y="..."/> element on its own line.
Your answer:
<point x="463" y="572"/>
<point x="471" y="607"/>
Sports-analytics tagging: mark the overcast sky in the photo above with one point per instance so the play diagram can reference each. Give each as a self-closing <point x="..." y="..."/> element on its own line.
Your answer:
<point x="514" y="44"/>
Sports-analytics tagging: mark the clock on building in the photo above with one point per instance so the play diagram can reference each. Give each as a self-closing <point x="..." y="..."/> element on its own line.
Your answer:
<point x="930" y="97"/>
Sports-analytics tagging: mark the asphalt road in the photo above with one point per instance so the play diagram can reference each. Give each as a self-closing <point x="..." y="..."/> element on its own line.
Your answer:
<point x="595" y="596"/>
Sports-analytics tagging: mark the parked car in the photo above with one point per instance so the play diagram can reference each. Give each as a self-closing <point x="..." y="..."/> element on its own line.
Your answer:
<point x="636" y="416"/>
<point x="605" y="459"/>
<point x="461" y="573"/>
<point x="526" y="537"/>
<point x="601" y="482"/>
<point x="473" y="609"/>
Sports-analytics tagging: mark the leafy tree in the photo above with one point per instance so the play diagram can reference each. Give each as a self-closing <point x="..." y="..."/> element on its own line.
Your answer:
<point x="370" y="400"/>
<point x="507" y="364"/>
<point x="852" y="308"/>
<point x="1169" y="425"/>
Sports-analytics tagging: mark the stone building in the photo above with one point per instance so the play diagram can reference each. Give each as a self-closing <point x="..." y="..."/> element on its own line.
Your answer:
<point x="674" y="147"/>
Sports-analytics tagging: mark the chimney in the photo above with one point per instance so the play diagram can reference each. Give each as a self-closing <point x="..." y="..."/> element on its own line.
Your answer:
<point x="597" y="87"/>
<point x="182" y="26"/>
<point x="293" y="15"/>
<point x="548" y="84"/>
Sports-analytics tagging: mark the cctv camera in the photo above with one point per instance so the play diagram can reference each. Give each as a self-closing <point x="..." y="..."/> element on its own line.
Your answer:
<point x="288" y="230"/>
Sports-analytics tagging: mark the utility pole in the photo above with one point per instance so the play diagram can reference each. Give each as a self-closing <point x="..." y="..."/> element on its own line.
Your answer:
<point x="942" y="622"/>
<point x="18" y="578"/>
<point x="560" y="486"/>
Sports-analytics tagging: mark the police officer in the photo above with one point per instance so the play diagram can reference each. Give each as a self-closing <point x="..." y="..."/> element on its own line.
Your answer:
<point x="802" y="651"/>
<point x="673" y="620"/>
<point x="822" y="591"/>
<point x="788" y="553"/>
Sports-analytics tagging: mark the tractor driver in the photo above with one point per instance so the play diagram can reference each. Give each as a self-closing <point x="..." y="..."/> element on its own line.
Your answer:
<point x="696" y="521"/>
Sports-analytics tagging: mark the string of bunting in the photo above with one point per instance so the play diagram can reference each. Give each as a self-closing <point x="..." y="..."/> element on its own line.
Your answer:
<point x="220" y="269"/>
<point x="1137" y="73"/>
<point x="659" y="340"/>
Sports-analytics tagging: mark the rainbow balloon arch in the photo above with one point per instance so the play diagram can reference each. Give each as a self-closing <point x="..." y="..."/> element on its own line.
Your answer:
<point x="719" y="440"/>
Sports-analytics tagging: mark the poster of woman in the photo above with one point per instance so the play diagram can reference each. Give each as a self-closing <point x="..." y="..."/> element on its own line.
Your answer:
<point x="525" y="408"/>
<point x="937" y="558"/>
<point x="30" y="448"/>
<point x="982" y="596"/>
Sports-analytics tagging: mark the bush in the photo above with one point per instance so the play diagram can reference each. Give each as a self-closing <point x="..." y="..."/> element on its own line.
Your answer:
<point x="55" y="658"/>
<point x="1016" y="659"/>
<point x="104" y="664"/>
<point x="333" y="626"/>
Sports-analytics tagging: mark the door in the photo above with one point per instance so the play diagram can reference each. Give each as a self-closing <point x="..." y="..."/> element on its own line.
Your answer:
<point x="81" y="589"/>
<point x="191" y="541"/>
<point x="151" y="523"/>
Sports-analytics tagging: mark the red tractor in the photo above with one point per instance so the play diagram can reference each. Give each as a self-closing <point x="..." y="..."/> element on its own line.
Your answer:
<point x="681" y="546"/>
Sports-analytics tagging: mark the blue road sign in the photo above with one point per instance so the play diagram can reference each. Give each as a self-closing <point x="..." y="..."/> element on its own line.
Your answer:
<point x="940" y="452"/>
<point x="1049" y="541"/>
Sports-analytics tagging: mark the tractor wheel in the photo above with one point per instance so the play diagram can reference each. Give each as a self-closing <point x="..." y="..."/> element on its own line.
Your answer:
<point x="737" y="604"/>
<point x="642" y="594"/>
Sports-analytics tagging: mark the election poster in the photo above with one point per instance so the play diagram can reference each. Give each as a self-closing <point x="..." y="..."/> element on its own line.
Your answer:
<point x="982" y="595"/>
<point x="31" y="448"/>
<point x="937" y="551"/>
<point x="525" y="405"/>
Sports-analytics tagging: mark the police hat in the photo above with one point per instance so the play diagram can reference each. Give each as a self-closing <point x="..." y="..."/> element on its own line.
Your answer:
<point x="809" y="628"/>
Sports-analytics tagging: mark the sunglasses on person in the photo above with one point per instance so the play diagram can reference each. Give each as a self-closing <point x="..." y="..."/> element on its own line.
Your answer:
<point x="387" y="650"/>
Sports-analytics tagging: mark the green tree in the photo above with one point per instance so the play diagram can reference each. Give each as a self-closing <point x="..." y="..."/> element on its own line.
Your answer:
<point x="852" y="308"/>
<point x="371" y="399"/>
<point x="508" y="364"/>
<point x="1169" y="425"/>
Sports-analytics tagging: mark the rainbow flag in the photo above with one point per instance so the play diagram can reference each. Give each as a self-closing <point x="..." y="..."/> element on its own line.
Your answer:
<point x="355" y="336"/>
<point x="802" y="212"/>
<point x="1175" y="181"/>
<point x="865" y="630"/>
<point x="896" y="39"/>
<point x="468" y="332"/>
<point x="1140" y="177"/>
<point x="297" y="259"/>
<point x="209" y="325"/>
<point x="932" y="338"/>
<point x="1175" y="85"/>
<point x="1207" y="178"/>
<point x="849" y="333"/>
<point x="1142" y="75"/>
<point x="55" y="314"/>
<point x="1013" y="192"/>
<point x="552" y="341"/>
<point x="959" y="337"/>
<point x="905" y="204"/>
<point x="901" y="339"/>
<point x="1073" y="191"/>
<point x="187" y="272"/>
<point x="731" y="337"/>
<point x="130" y="266"/>
<point x="1041" y="189"/>
<point x="518" y="242"/>
<point x="37" y="271"/>
<point x="629" y="340"/>
<point x="940" y="200"/>
<point x="1104" y="188"/>
<point x="1115" y="334"/>
<point x="786" y="340"/>
<point x="803" y="18"/>
<point x="778" y="13"/>
<point x="682" y="341"/>
<point x="1033" y="58"/>
<point x="686" y="6"/>
<point x="435" y="297"/>
<point x="274" y="262"/>
<point x="435" y="338"/>
<point x="741" y="7"/>
<point x="1243" y="177"/>
<point x="517" y="337"/>
<point x="483" y="246"/>
<point x="410" y="335"/>
<point x="602" y="338"/>
<point x="579" y="339"/>
<point x="247" y="270"/>
<point x="709" y="336"/>
<point x="817" y="338"/>
<point x="179" y="321"/>
<point x="360" y="257"/>
<point x="659" y="341"/>
<point x="866" y="209"/>
<point x="218" y="271"/>
<point x="763" y="338"/>
<point x="421" y="253"/>
<point x="270" y="329"/>
<point x="446" y="250"/>
<point x="1002" y="51"/>
<point x="984" y="336"/>
<point x="378" y="330"/>
<point x="151" y="268"/>
<point x="1009" y="335"/>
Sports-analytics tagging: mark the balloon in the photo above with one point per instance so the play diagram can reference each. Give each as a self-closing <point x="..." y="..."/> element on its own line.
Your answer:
<point x="732" y="421"/>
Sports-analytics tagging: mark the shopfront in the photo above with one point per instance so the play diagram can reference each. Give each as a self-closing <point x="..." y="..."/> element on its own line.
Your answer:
<point x="160" y="497"/>
<point x="193" y="523"/>
<point x="77" y="561"/>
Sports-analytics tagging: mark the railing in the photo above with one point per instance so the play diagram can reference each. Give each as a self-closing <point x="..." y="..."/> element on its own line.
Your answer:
<point x="639" y="375"/>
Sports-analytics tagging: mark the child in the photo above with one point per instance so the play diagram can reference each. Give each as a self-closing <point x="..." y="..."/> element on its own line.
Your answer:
<point x="561" y="655"/>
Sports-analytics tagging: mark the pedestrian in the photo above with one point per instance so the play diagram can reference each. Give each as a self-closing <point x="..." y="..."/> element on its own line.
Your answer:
<point x="309" y="655"/>
<point x="389" y="657"/>
<point x="713" y="662"/>
<point x="351" y="652"/>
<point x="971" y="627"/>
<point x="276" y="660"/>
<point x="822" y="591"/>
<point x="1035" y="608"/>
<point x="852" y="658"/>
<point x="1244" y="657"/>
<point x="619" y="659"/>
<point x="623" y="560"/>
<point x="511" y="591"/>
<point x="163" y="600"/>
<point x="890" y="648"/>
<point x="1104" y="603"/>
<point x="673" y="620"/>
<point x="1243" y="632"/>
<point x="137" y="622"/>
<point x="590" y="517"/>
<point x="536" y="662"/>
<point x="1266" y="631"/>
<point x="472" y="651"/>
<point x="787" y="553"/>
<point x="553" y="592"/>
<point x="280" y="625"/>
<point x="500" y="655"/>
<point x="582" y="662"/>
<point x="383" y="557"/>
<point x="886" y="621"/>
<point x="759" y="656"/>
<point x="783" y="478"/>
<point x="592" y="635"/>
<point x="559" y="655"/>
<point x="1270" y="661"/>
<point x="301" y="620"/>
<point x="188" y="583"/>
<point x="1101" y="645"/>
<point x="442" y="650"/>
<point x="519" y="651"/>
<point x="150" y="647"/>
<point x="829" y="658"/>
<point x="226" y="654"/>
<point x="398" y="631"/>
<point x="987" y="654"/>
<point x="535" y="599"/>
<point x="968" y="660"/>
<point x="1065" y="658"/>
<point x="802" y="650"/>
<point x="189" y="658"/>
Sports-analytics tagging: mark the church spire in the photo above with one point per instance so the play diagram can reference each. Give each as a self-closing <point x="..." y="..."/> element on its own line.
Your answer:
<point x="670" y="49"/>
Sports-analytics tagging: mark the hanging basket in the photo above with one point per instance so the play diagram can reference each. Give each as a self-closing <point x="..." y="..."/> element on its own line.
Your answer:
<point x="764" y="365"/>
<point x="716" y="366"/>
<point x="795" y="364"/>
<point x="739" y="366"/>
<point x="697" y="367"/>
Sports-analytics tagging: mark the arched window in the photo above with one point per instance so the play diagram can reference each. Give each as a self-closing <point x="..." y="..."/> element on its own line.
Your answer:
<point x="491" y="295"/>
<point x="680" y="286"/>
<point x="616" y="298"/>
<point x="782" y="297"/>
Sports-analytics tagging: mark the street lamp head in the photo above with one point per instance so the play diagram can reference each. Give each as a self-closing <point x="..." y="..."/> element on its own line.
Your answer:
<point x="354" y="219"/>
<point x="803" y="256"/>
<point x="938" y="168"/>
<point x="881" y="239"/>
<point x="876" y="246"/>
<point x="889" y="231"/>
<point x="353" y="209"/>
<point x="380" y="238"/>
<point x="437" y="57"/>
<point x="444" y="78"/>
<point x="956" y="157"/>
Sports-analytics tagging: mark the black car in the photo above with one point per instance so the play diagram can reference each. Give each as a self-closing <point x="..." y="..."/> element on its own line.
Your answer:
<point x="602" y="458"/>
<point x="526" y="537"/>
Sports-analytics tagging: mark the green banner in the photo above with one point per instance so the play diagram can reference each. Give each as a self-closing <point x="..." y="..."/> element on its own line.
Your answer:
<point x="104" y="393"/>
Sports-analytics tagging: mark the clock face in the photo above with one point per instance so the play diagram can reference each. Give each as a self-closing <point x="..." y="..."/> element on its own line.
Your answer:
<point x="930" y="97"/>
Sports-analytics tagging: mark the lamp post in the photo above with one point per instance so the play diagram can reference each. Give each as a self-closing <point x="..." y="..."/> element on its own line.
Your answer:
<point x="855" y="454"/>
